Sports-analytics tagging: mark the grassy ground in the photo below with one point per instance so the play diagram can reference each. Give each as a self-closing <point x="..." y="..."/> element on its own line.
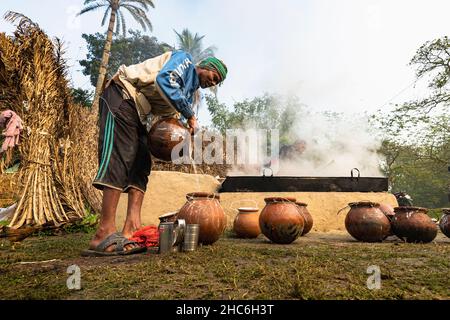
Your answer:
<point x="318" y="266"/>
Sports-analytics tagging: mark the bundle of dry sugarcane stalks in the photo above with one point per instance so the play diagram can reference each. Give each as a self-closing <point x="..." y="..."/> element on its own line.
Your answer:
<point x="34" y="85"/>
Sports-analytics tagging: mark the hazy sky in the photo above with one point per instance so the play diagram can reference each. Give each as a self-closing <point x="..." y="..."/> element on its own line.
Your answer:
<point x="342" y="55"/>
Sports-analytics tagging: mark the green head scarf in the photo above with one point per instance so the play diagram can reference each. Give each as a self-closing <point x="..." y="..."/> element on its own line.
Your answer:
<point x="215" y="64"/>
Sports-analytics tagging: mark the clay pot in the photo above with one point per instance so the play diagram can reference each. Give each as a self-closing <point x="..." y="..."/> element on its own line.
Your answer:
<point x="164" y="135"/>
<point x="444" y="224"/>
<point x="205" y="210"/>
<point x="281" y="221"/>
<point x="413" y="225"/>
<point x="366" y="222"/>
<point x="246" y="223"/>
<point x="389" y="212"/>
<point x="306" y="216"/>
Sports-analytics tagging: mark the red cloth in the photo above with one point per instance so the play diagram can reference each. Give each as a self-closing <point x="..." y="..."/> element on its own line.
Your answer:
<point x="13" y="124"/>
<point x="146" y="237"/>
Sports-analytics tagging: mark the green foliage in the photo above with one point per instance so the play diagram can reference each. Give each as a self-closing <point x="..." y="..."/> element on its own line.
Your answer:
<point x="265" y="112"/>
<point x="193" y="43"/>
<point x="124" y="50"/>
<point x="417" y="133"/>
<point x="87" y="225"/>
<point x="136" y="8"/>
<point x="82" y="97"/>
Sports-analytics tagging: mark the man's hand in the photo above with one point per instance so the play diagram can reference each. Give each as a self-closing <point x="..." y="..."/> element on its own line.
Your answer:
<point x="193" y="124"/>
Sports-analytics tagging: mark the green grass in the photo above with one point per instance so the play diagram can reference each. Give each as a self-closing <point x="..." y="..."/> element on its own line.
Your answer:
<point x="315" y="267"/>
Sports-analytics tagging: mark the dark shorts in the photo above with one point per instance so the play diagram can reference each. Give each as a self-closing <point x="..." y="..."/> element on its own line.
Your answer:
<point x="123" y="155"/>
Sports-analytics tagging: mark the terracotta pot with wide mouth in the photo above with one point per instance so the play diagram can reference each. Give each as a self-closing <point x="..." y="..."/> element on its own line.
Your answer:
<point x="366" y="222"/>
<point x="246" y="223"/>
<point x="281" y="220"/>
<point x="205" y="210"/>
<point x="306" y="216"/>
<point x="412" y="224"/>
<point x="444" y="223"/>
<point x="164" y="135"/>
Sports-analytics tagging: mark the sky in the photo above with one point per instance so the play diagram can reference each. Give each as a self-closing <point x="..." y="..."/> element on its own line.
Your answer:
<point x="339" y="55"/>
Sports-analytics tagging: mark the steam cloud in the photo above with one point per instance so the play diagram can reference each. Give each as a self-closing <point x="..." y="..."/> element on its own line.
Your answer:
<point x="334" y="146"/>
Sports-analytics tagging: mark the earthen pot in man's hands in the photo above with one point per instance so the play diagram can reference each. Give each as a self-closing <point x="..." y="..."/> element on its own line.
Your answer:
<point x="164" y="135"/>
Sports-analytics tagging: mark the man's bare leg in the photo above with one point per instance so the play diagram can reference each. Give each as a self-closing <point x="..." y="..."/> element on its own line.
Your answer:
<point x="133" y="222"/>
<point x="107" y="224"/>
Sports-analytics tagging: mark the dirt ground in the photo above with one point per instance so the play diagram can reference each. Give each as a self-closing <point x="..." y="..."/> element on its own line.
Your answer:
<point x="318" y="266"/>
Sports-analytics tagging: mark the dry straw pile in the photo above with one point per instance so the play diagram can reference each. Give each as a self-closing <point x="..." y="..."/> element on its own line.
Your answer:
<point x="55" y="151"/>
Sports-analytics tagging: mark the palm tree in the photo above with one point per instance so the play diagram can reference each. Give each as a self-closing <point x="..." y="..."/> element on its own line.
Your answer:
<point x="138" y="10"/>
<point x="194" y="45"/>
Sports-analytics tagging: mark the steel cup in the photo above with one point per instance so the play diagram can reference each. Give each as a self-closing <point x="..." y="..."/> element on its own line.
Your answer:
<point x="191" y="237"/>
<point x="167" y="237"/>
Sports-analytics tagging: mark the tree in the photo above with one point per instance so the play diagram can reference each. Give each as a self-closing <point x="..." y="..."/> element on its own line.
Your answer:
<point x="193" y="43"/>
<point x="82" y="97"/>
<point x="265" y="112"/>
<point x="124" y="50"/>
<point x="417" y="133"/>
<point x="138" y="10"/>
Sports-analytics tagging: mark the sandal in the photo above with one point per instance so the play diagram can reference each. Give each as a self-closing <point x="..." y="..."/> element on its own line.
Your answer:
<point x="115" y="239"/>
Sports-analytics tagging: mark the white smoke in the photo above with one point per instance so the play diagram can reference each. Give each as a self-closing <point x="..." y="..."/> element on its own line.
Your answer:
<point x="335" y="144"/>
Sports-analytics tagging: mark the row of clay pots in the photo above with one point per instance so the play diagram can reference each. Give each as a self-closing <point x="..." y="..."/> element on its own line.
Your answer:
<point x="282" y="220"/>
<point x="374" y="222"/>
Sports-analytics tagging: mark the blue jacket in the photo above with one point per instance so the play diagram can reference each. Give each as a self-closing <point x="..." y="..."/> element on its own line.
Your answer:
<point x="178" y="81"/>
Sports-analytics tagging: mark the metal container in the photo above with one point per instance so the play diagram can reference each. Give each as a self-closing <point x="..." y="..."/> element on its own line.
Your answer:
<point x="179" y="229"/>
<point x="191" y="235"/>
<point x="167" y="236"/>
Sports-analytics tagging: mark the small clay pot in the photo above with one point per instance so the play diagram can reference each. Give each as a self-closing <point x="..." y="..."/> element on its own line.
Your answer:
<point x="412" y="224"/>
<point x="281" y="221"/>
<point x="444" y="223"/>
<point x="205" y="210"/>
<point x="246" y="223"/>
<point x="164" y="135"/>
<point x="306" y="216"/>
<point x="365" y="222"/>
